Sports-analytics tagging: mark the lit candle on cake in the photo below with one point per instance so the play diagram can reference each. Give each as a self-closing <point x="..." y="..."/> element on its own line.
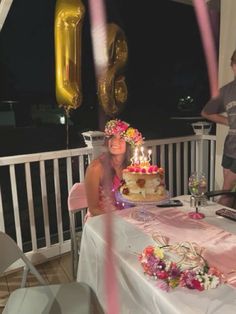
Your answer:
<point x="142" y="154"/>
<point x="149" y="155"/>
<point x="134" y="159"/>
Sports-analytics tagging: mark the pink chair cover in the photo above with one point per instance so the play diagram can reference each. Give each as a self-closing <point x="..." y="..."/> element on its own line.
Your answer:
<point x="77" y="197"/>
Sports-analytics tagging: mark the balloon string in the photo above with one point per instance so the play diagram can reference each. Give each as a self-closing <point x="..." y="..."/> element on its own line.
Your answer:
<point x="67" y="127"/>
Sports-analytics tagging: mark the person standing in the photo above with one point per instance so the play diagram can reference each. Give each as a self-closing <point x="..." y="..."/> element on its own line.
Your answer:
<point x="226" y="102"/>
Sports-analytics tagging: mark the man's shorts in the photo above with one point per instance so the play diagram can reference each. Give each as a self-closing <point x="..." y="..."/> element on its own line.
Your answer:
<point x="229" y="163"/>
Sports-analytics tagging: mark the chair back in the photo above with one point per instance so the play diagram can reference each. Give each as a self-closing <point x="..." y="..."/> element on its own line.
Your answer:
<point x="70" y="297"/>
<point x="12" y="253"/>
<point x="77" y="199"/>
<point x="77" y="202"/>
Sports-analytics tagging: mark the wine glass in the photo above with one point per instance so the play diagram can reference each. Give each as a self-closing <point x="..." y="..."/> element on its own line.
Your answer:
<point x="197" y="186"/>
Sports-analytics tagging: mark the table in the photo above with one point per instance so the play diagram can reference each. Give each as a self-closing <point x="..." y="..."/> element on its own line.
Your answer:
<point x="137" y="293"/>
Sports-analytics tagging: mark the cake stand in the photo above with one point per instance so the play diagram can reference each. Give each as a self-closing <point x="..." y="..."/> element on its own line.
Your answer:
<point x="140" y="211"/>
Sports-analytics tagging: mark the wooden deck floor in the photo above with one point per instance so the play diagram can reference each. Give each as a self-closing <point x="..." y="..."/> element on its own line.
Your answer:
<point x="55" y="271"/>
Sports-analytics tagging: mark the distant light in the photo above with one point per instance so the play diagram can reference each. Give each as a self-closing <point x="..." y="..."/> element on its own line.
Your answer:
<point x="62" y="119"/>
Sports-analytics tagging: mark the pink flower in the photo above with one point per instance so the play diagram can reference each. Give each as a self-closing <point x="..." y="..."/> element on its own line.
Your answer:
<point x="148" y="250"/>
<point x="162" y="274"/>
<point x="197" y="285"/>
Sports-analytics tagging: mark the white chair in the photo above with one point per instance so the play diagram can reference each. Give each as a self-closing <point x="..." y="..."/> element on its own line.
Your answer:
<point x="77" y="201"/>
<point x="69" y="298"/>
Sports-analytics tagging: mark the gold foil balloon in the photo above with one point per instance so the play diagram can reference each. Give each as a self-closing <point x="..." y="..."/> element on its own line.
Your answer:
<point x="112" y="89"/>
<point x="69" y="16"/>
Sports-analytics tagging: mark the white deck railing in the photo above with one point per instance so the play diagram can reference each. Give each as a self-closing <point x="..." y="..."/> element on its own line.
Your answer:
<point x="180" y="156"/>
<point x="34" y="188"/>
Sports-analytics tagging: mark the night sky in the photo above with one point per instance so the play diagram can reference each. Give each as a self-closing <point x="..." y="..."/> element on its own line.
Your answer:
<point x="27" y="49"/>
<point x="165" y="61"/>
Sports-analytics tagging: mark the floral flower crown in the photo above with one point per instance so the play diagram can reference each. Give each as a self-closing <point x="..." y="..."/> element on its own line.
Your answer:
<point x="170" y="274"/>
<point x="129" y="134"/>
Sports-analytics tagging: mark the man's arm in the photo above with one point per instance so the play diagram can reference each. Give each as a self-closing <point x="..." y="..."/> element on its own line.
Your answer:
<point x="215" y="117"/>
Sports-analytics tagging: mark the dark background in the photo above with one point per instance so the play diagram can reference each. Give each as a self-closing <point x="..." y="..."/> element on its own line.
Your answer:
<point x="165" y="65"/>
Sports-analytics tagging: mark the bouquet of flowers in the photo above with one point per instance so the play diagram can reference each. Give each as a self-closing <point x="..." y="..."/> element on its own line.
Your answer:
<point x="170" y="274"/>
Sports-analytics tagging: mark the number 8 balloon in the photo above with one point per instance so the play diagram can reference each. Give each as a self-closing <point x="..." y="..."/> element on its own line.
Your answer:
<point x="112" y="89"/>
<point x="69" y="16"/>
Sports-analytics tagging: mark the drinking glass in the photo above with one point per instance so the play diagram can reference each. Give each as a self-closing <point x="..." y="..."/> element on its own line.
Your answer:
<point x="197" y="186"/>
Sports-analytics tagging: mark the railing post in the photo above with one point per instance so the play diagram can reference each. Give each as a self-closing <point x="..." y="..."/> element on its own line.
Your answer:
<point x="202" y="149"/>
<point x="95" y="140"/>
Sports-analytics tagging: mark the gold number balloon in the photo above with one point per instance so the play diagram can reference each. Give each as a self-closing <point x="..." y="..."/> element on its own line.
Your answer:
<point x="112" y="89"/>
<point x="68" y="26"/>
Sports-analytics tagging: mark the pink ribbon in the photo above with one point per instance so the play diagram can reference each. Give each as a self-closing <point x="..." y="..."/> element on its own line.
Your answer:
<point x="110" y="276"/>
<point x="99" y="35"/>
<point x="99" y="41"/>
<point x="208" y="44"/>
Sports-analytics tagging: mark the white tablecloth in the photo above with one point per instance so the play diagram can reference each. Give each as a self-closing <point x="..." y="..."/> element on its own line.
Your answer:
<point x="137" y="293"/>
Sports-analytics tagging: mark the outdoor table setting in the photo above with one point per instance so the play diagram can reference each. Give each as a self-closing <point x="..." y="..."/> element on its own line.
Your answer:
<point x="212" y="238"/>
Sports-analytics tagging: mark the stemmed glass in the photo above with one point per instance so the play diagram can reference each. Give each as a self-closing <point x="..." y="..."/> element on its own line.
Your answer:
<point x="197" y="186"/>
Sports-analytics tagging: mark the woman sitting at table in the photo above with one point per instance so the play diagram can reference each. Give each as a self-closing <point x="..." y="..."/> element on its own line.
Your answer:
<point x="103" y="175"/>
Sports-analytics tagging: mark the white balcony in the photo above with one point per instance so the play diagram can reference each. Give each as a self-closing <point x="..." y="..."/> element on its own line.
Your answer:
<point x="34" y="188"/>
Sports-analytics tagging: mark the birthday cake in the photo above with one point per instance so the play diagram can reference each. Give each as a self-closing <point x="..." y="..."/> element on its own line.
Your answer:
<point x="143" y="182"/>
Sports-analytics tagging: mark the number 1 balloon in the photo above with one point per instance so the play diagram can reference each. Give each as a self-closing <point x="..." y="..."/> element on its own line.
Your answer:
<point x="69" y="16"/>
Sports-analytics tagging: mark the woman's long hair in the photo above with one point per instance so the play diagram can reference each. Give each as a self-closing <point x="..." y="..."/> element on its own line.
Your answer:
<point x="105" y="158"/>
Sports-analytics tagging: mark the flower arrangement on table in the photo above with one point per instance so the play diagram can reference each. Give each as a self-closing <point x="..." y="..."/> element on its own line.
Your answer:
<point x="191" y="271"/>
